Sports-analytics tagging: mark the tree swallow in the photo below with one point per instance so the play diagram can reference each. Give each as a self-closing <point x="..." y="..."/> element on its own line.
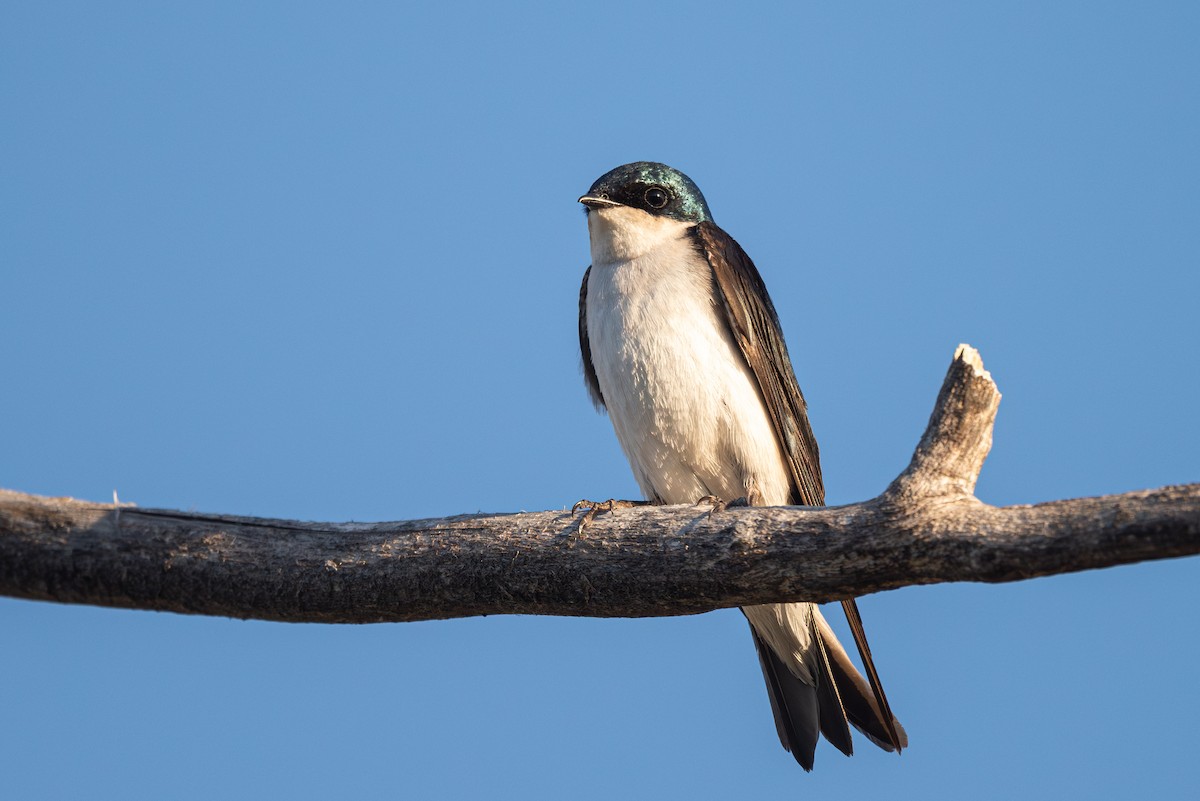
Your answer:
<point x="682" y="346"/>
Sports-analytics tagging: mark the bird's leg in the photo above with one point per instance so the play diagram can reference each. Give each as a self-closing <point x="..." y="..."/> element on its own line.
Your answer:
<point x="596" y="507"/>
<point x="720" y="504"/>
<point x="607" y="506"/>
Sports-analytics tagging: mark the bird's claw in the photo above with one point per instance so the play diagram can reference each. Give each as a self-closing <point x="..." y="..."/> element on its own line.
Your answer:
<point x="720" y="504"/>
<point x="596" y="507"/>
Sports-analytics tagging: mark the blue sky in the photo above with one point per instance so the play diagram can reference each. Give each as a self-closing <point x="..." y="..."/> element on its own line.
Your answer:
<point x="322" y="261"/>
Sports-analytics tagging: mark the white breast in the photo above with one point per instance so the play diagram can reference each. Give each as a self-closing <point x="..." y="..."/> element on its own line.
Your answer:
<point x="685" y="406"/>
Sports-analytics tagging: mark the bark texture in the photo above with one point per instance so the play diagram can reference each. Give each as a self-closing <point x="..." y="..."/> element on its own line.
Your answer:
<point x="926" y="527"/>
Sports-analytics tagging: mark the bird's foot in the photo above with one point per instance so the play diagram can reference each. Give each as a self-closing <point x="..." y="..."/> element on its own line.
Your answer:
<point x="594" y="508"/>
<point x="720" y="504"/>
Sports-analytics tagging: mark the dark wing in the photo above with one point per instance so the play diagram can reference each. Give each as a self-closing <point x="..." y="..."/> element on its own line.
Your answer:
<point x="755" y="326"/>
<point x="585" y="349"/>
<point x="892" y="735"/>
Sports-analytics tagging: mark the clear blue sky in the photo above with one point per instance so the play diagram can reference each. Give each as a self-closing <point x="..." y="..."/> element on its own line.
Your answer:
<point x="322" y="262"/>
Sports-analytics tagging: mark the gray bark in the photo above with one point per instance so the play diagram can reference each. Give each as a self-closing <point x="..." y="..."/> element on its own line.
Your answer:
<point x="927" y="527"/>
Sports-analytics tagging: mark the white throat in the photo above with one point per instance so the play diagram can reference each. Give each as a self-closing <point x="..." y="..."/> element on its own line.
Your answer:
<point x="622" y="233"/>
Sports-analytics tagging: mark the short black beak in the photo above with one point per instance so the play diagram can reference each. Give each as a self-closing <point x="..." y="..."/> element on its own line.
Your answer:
<point x="598" y="202"/>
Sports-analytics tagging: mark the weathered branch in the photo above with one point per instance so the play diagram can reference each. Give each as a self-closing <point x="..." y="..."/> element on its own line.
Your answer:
<point x="926" y="527"/>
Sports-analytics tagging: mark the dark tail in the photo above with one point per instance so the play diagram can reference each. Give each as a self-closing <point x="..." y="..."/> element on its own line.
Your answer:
<point x="803" y="712"/>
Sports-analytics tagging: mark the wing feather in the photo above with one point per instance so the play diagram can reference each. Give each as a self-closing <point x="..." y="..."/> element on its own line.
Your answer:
<point x="585" y="348"/>
<point x="755" y="326"/>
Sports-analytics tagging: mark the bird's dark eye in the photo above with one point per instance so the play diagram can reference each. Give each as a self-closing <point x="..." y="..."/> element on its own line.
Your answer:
<point x="656" y="197"/>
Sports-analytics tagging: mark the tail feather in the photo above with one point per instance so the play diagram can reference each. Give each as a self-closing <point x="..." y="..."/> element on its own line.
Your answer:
<point x="833" y="712"/>
<point x="830" y="698"/>
<point x="793" y="703"/>
<point x="859" y="699"/>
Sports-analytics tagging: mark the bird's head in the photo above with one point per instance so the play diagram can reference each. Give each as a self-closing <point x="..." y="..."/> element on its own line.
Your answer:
<point x="638" y="207"/>
<point x="648" y="186"/>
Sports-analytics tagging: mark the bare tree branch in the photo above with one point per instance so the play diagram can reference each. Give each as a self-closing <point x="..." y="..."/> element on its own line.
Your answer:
<point x="926" y="527"/>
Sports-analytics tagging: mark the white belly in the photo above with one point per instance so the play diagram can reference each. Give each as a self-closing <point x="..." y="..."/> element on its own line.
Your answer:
<point x="684" y="403"/>
<point x="685" y="406"/>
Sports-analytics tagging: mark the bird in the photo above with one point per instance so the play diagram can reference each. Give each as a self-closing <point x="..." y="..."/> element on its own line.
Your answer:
<point x="681" y="345"/>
